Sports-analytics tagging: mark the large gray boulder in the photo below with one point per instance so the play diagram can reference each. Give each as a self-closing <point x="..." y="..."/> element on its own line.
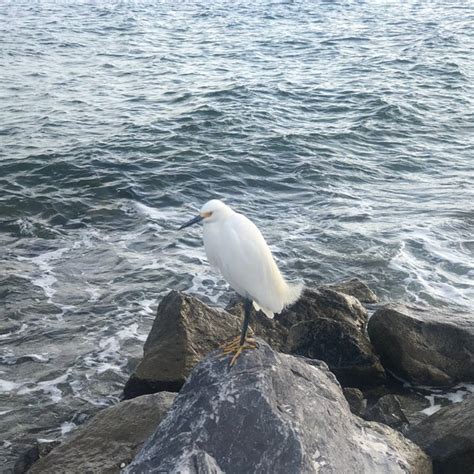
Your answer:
<point x="110" y="439"/>
<point x="184" y="331"/>
<point x="448" y="437"/>
<point x="425" y="346"/>
<point x="271" y="413"/>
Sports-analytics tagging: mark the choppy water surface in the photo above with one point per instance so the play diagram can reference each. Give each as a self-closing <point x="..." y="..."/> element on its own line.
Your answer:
<point x="344" y="129"/>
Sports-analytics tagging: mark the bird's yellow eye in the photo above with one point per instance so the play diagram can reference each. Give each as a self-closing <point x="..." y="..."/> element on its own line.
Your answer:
<point x="206" y="214"/>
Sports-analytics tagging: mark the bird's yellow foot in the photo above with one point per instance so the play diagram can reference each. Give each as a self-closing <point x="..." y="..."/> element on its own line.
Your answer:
<point x="234" y="347"/>
<point x="230" y="344"/>
<point x="250" y="344"/>
<point x="234" y="343"/>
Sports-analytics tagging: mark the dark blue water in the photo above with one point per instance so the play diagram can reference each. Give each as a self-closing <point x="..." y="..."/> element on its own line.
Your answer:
<point x="343" y="129"/>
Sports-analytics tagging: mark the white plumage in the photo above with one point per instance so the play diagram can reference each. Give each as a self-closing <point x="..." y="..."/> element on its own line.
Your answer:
<point x="236" y="247"/>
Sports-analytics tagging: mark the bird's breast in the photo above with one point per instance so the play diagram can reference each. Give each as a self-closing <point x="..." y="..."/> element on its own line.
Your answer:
<point x="212" y="245"/>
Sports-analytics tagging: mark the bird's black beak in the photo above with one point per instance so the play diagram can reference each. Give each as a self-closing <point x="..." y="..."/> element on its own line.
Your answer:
<point x="195" y="220"/>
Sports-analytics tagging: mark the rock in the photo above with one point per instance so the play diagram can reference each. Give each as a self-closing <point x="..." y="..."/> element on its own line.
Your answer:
<point x="412" y="401"/>
<point x="388" y="410"/>
<point x="448" y="437"/>
<point x="412" y="405"/>
<point x="109" y="439"/>
<point x="26" y="459"/>
<point x="273" y="413"/>
<point x="324" y="303"/>
<point x="424" y="346"/>
<point x="356" y="288"/>
<point x="184" y="331"/>
<point x="356" y="400"/>
<point x="343" y="346"/>
<point x="314" y="304"/>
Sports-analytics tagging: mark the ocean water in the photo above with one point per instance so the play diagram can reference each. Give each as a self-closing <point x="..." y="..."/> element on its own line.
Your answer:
<point x="343" y="129"/>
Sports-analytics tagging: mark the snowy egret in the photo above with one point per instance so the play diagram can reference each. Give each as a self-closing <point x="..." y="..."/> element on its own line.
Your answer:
<point x="236" y="247"/>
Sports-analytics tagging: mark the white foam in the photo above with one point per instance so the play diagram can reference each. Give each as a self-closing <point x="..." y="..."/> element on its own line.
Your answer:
<point x="432" y="279"/>
<point x="214" y="290"/>
<point x="146" y="304"/>
<point x="6" y="386"/>
<point x="131" y="332"/>
<point x="22" y="329"/>
<point x="26" y="227"/>
<point x="48" y="387"/>
<point x="433" y="408"/>
<point x="94" y="293"/>
<point x="37" y="357"/>
<point x="67" y="427"/>
<point x="457" y="395"/>
<point x="107" y="358"/>
<point x="45" y="277"/>
<point x="153" y="212"/>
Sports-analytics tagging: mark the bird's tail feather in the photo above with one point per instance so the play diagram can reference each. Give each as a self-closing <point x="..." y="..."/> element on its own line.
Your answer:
<point x="267" y="312"/>
<point x="293" y="293"/>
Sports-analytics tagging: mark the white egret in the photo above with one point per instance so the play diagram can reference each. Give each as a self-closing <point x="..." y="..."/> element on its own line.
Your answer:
<point x="236" y="247"/>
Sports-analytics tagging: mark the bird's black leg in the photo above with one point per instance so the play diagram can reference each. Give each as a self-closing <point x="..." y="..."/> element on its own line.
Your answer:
<point x="240" y="343"/>
<point x="245" y="325"/>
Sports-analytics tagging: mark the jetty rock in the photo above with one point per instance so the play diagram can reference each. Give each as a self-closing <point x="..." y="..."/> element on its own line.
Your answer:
<point x="184" y="331"/>
<point x="270" y="413"/>
<point x="109" y="440"/>
<point x="448" y="437"/>
<point x="322" y="324"/>
<point x="356" y="288"/>
<point x="425" y="346"/>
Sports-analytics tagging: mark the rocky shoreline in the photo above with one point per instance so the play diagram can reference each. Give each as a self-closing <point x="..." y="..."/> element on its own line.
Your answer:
<point x="327" y="387"/>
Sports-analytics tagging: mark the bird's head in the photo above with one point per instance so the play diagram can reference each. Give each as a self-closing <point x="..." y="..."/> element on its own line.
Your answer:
<point x="212" y="211"/>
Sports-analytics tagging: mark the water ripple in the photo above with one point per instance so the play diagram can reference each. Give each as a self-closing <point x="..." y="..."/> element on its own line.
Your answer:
<point x="343" y="129"/>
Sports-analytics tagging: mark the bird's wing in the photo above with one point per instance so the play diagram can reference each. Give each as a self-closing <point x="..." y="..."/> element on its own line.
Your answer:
<point x="246" y="262"/>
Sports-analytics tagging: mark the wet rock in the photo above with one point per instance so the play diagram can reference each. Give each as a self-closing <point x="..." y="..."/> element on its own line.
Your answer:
<point x="424" y="346"/>
<point x="26" y="459"/>
<point x="184" y="331"/>
<point x="388" y="410"/>
<point x="29" y="456"/>
<point x="108" y="440"/>
<point x="412" y="405"/>
<point x="273" y="413"/>
<point x="313" y="305"/>
<point x="343" y="346"/>
<point x="324" y="303"/>
<point x="356" y="288"/>
<point x="412" y="402"/>
<point x="356" y="400"/>
<point x="448" y="437"/>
